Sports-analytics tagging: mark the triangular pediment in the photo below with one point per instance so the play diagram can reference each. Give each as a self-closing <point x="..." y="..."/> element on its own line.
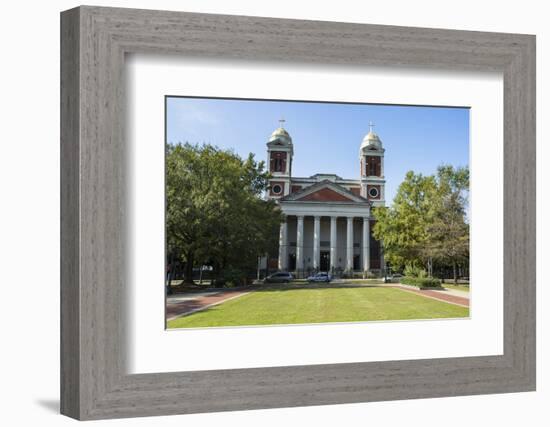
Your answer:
<point x="325" y="191"/>
<point x="326" y="195"/>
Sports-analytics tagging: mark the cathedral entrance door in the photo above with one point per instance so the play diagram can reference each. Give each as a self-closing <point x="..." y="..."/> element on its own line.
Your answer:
<point x="291" y="262"/>
<point x="325" y="261"/>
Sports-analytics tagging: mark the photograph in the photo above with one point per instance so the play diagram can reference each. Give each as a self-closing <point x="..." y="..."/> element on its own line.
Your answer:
<point x="283" y="212"/>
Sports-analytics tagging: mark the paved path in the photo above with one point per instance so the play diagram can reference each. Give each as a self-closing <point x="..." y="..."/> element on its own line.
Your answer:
<point x="171" y="299"/>
<point x="183" y="304"/>
<point x="463" y="294"/>
<point x="445" y="296"/>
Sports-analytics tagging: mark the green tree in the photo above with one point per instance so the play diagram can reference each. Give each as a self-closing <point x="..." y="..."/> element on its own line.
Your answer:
<point x="427" y="220"/>
<point x="449" y="229"/>
<point x="214" y="210"/>
<point x="404" y="227"/>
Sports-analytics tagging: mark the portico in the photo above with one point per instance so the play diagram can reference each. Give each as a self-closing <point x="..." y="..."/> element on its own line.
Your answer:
<point x="327" y="243"/>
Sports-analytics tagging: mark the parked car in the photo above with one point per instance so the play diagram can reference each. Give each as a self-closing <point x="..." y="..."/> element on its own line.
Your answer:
<point x="280" y="277"/>
<point x="394" y="278"/>
<point x="320" y="277"/>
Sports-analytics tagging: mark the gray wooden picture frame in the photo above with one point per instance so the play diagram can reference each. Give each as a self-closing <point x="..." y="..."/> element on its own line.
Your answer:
<point x="94" y="41"/>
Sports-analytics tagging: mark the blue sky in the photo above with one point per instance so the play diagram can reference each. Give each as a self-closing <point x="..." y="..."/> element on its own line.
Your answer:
<point x="327" y="136"/>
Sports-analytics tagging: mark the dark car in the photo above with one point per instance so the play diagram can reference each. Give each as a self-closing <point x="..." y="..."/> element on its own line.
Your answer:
<point x="280" y="277"/>
<point x="320" y="277"/>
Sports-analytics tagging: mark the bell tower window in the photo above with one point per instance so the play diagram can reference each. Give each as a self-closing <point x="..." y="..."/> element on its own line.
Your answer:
<point x="278" y="161"/>
<point x="373" y="166"/>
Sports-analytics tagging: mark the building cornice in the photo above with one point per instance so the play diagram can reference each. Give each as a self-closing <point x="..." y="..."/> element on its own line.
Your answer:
<point x="344" y="181"/>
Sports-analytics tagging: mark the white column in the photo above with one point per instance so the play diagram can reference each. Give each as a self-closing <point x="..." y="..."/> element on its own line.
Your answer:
<point x="283" y="246"/>
<point x="333" y="243"/>
<point x="366" y="244"/>
<point x="300" y="243"/>
<point x="317" y="242"/>
<point x="349" y="244"/>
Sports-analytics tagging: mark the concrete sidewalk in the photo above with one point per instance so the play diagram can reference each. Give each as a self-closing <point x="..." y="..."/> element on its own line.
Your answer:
<point x="446" y="295"/>
<point x="461" y="294"/>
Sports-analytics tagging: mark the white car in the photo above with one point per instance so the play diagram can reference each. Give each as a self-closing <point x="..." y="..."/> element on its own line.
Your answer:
<point x="394" y="278"/>
<point x="320" y="277"/>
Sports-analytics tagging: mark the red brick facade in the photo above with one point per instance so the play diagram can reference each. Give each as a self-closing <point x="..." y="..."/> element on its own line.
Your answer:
<point x="295" y="188"/>
<point x="356" y="190"/>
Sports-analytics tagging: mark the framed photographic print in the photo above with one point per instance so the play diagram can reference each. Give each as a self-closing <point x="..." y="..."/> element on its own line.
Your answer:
<point x="347" y="211"/>
<point x="322" y="261"/>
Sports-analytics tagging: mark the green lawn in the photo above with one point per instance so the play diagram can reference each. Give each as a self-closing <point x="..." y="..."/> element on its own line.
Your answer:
<point x="292" y="306"/>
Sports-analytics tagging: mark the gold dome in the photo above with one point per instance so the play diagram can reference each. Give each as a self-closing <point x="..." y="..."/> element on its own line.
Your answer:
<point x="371" y="141"/>
<point x="280" y="134"/>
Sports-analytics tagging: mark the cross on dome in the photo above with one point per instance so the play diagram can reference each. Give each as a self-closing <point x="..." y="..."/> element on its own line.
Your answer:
<point x="371" y="141"/>
<point x="282" y="121"/>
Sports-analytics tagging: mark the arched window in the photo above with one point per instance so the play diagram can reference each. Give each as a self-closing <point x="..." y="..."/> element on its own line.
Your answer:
<point x="278" y="161"/>
<point x="373" y="166"/>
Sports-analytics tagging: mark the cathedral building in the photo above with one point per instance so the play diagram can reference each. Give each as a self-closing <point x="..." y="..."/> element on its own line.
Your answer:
<point x="328" y="221"/>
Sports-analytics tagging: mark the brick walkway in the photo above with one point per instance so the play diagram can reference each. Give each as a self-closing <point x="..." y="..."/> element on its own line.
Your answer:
<point x="438" y="295"/>
<point x="188" y="306"/>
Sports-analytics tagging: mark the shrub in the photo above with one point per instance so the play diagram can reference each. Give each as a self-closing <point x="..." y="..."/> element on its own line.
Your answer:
<point x="422" y="282"/>
<point x="231" y="278"/>
<point x="414" y="271"/>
